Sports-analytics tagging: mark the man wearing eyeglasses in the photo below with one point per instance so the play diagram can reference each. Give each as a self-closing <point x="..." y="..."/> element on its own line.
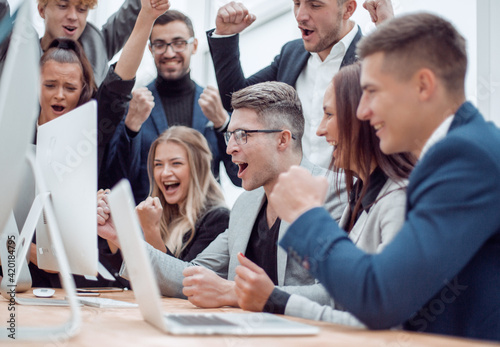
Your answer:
<point x="264" y="140"/>
<point x="173" y="98"/>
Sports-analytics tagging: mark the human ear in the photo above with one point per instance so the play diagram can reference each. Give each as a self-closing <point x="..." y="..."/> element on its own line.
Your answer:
<point x="348" y="8"/>
<point x="195" y="46"/>
<point x="41" y="11"/>
<point x="285" y="139"/>
<point x="426" y="83"/>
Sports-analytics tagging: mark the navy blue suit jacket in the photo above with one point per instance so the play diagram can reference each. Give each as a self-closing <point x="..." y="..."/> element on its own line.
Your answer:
<point x="441" y="273"/>
<point x="128" y="156"/>
<point x="286" y="66"/>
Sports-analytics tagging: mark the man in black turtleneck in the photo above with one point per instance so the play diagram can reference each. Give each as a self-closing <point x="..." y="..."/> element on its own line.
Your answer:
<point x="173" y="98"/>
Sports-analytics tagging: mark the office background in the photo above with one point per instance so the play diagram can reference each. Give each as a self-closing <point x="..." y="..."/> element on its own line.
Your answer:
<point x="275" y="25"/>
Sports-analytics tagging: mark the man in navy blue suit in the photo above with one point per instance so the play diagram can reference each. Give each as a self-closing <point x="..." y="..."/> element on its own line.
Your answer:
<point x="441" y="273"/>
<point x="173" y="98"/>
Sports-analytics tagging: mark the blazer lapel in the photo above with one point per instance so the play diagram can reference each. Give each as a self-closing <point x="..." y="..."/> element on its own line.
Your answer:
<point x="158" y="117"/>
<point x="199" y="121"/>
<point x="358" y="228"/>
<point x="243" y="227"/>
<point x="281" y="255"/>
<point x="350" y="55"/>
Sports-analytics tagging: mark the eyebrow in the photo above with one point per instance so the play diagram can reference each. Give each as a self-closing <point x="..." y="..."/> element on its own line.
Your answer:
<point x="174" y="39"/>
<point x="169" y="159"/>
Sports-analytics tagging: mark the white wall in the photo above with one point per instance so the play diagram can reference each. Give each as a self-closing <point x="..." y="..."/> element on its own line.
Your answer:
<point x="275" y="25"/>
<point x="488" y="67"/>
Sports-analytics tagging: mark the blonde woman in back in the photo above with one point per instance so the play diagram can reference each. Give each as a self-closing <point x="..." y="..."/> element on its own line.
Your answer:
<point x="185" y="210"/>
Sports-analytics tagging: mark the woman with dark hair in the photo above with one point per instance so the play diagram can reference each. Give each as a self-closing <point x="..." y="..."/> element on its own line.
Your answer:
<point x="67" y="81"/>
<point x="376" y="185"/>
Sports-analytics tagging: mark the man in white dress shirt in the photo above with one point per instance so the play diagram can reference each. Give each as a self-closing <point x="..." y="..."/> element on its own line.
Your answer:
<point x="329" y="38"/>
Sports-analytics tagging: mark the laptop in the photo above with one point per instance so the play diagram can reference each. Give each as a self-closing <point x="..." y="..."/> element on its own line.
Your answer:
<point x="148" y="296"/>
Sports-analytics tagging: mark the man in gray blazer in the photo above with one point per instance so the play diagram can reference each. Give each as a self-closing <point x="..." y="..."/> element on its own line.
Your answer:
<point x="264" y="140"/>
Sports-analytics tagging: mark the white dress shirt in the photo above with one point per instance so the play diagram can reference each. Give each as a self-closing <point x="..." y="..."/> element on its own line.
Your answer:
<point x="437" y="135"/>
<point x="311" y="86"/>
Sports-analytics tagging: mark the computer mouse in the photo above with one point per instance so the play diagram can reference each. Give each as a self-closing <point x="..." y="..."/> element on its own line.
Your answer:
<point x="43" y="292"/>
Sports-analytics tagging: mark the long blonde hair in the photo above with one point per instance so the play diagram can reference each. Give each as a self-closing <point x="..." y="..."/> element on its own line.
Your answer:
<point x="204" y="193"/>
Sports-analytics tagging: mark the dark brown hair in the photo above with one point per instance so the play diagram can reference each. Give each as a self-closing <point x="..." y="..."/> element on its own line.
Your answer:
<point x="417" y="41"/>
<point x="357" y="140"/>
<point x="63" y="50"/>
<point x="172" y="16"/>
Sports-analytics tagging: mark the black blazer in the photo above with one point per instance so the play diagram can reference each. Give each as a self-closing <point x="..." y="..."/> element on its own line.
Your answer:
<point x="286" y="66"/>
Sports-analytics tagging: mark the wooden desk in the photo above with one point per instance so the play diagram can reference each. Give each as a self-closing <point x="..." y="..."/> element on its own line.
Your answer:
<point x="125" y="327"/>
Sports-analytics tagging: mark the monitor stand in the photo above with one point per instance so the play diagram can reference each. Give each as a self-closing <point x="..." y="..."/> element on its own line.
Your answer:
<point x="42" y="203"/>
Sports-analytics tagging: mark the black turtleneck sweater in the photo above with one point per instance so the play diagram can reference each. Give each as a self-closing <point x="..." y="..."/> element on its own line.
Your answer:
<point x="177" y="98"/>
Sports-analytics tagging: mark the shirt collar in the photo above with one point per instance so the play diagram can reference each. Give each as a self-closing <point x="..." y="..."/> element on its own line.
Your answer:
<point x="340" y="47"/>
<point x="437" y="135"/>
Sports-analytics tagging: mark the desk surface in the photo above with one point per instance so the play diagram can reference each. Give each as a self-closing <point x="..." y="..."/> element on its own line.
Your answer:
<point x="125" y="327"/>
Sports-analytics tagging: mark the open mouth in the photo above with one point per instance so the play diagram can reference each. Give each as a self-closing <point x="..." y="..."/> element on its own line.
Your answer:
<point x="306" y="32"/>
<point x="70" y="29"/>
<point x="58" y="108"/>
<point x="242" y="167"/>
<point x="169" y="187"/>
<point x="333" y="143"/>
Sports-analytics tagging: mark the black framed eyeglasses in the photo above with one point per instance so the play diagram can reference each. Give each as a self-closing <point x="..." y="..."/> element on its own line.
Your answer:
<point x="240" y="135"/>
<point x="160" y="47"/>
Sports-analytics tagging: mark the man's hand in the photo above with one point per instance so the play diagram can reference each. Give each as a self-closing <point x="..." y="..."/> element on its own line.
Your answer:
<point x="149" y="212"/>
<point x="140" y="108"/>
<point x="155" y="8"/>
<point x="204" y="288"/>
<point x="380" y="10"/>
<point x="232" y="19"/>
<point x="253" y="285"/>
<point x="105" y="227"/>
<point x="296" y="192"/>
<point x="212" y="108"/>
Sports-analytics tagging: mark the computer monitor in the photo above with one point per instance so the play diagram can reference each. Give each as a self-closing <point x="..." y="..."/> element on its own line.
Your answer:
<point x="19" y="108"/>
<point x="18" y="112"/>
<point x="66" y="154"/>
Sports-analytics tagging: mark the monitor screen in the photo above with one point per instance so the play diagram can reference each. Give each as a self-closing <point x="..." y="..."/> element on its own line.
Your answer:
<point x="66" y="154"/>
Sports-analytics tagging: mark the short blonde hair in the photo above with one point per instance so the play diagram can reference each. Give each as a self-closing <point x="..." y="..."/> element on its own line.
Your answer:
<point x="89" y="3"/>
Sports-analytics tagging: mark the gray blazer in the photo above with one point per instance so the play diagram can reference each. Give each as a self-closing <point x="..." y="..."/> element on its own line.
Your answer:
<point x="221" y="255"/>
<point x="372" y="232"/>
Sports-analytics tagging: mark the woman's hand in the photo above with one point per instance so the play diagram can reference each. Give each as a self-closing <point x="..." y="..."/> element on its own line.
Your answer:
<point x="105" y="227"/>
<point x="150" y="212"/>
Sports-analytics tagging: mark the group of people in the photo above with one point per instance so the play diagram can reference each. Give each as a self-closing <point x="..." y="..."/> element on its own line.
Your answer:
<point x="370" y="187"/>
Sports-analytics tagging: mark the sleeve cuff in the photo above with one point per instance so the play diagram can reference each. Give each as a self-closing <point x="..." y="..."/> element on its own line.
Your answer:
<point x="277" y="302"/>
<point x="211" y="33"/>
<point x="116" y="84"/>
<point x="130" y="133"/>
<point x="224" y="126"/>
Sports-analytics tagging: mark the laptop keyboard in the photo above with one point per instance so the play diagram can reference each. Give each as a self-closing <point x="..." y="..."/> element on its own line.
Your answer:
<point x="204" y="320"/>
<point x="106" y="303"/>
<point x="41" y="302"/>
